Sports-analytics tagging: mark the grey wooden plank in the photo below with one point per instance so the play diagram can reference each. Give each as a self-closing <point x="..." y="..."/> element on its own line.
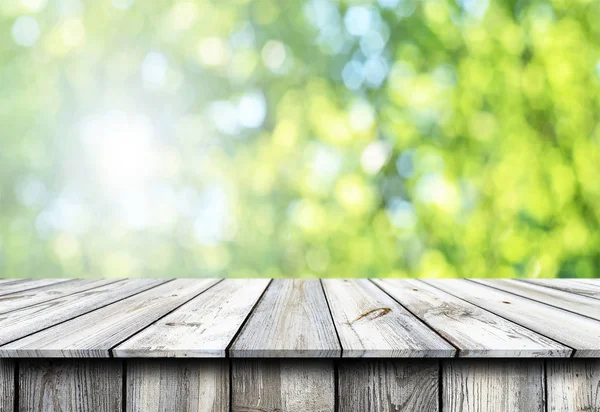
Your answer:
<point x="93" y="334"/>
<point x="22" y="322"/>
<point x="371" y="324"/>
<point x="70" y="385"/>
<point x="573" y="385"/>
<point x="203" y="327"/>
<point x="286" y="385"/>
<point x="193" y="385"/>
<point x="570" y="329"/>
<point x="291" y="320"/>
<point x="575" y="303"/>
<point x="27" y="284"/>
<point x="568" y="285"/>
<point x="476" y="332"/>
<point x="492" y="385"/>
<point x="42" y="294"/>
<point x="4" y="281"/>
<point x="378" y="385"/>
<point x="7" y="385"/>
<point x="7" y="282"/>
<point x="591" y="281"/>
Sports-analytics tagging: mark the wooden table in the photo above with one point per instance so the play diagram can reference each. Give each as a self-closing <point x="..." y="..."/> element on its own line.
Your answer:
<point x="303" y="345"/>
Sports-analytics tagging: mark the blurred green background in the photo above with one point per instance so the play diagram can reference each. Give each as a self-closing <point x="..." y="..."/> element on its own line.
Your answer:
<point x="299" y="138"/>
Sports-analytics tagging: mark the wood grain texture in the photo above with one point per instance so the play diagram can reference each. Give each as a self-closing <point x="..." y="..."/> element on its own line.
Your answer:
<point x="575" y="303"/>
<point x="5" y="281"/>
<point x="95" y="333"/>
<point x="568" y="285"/>
<point x="570" y="329"/>
<point x="7" y="385"/>
<point x="291" y="320"/>
<point x="203" y="327"/>
<point x="377" y="385"/>
<point x="476" y="332"/>
<point x="158" y="385"/>
<point x="480" y="385"/>
<point x="21" y="299"/>
<point x="371" y="324"/>
<point x="21" y="285"/>
<point x="70" y="385"/>
<point x="283" y="385"/>
<point x="591" y="281"/>
<point x="573" y="385"/>
<point x="22" y="322"/>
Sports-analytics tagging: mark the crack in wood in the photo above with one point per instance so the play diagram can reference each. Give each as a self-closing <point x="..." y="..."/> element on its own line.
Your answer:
<point x="377" y="313"/>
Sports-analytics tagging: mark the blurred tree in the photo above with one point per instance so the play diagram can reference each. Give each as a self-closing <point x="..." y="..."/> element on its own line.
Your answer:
<point x="300" y="138"/>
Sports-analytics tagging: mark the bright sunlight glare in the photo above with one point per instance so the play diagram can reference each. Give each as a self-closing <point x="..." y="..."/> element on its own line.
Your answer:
<point x="119" y="145"/>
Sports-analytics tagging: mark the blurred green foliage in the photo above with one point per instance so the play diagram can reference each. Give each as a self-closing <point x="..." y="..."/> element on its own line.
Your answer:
<point x="300" y="138"/>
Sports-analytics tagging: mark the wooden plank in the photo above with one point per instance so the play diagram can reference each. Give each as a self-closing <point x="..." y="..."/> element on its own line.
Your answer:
<point x="93" y="334"/>
<point x="158" y="385"/>
<point x="568" y="285"/>
<point x="11" y="281"/>
<point x="289" y="385"/>
<point x="371" y="324"/>
<point x="31" y="297"/>
<point x="27" y="284"/>
<point x="494" y="385"/>
<point x="575" y="303"/>
<point x="4" y="281"/>
<point x="70" y="385"/>
<point x="573" y="385"/>
<point x="576" y="331"/>
<point x="23" y="322"/>
<point x="8" y="282"/>
<point x="291" y="320"/>
<point x="377" y="385"/>
<point x="591" y="281"/>
<point x="203" y="327"/>
<point x="476" y="332"/>
<point x="7" y="385"/>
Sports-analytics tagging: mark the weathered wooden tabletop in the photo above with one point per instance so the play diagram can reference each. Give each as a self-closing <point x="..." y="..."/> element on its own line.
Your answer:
<point x="332" y="318"/>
